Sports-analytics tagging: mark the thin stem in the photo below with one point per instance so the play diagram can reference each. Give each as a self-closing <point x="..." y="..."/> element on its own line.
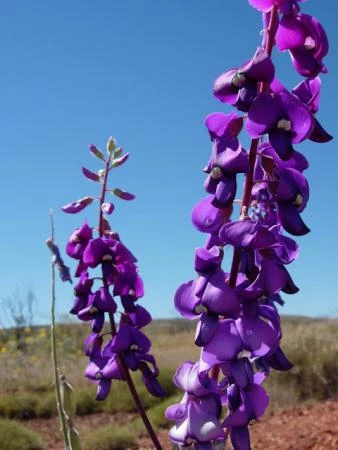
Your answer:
<point x="133" y="391"/>
<point x="124" y="368"/>
<point x="249" y="180"/>
<point x="54" y="355"/>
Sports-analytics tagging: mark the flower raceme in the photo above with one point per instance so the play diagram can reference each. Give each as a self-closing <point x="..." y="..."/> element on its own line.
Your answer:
<point x="238" y="325"/>
<point x="106" y="269"/>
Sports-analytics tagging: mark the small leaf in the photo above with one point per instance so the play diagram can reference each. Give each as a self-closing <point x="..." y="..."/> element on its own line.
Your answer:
<point x="122" y="194"/>
<point x="79" y="205"/>
<point x="118" y="152"/>
<point x="111" y="144"/>
<point x="90" y="175"/>
<point x="119" y="161"/>
<point x="68" y="399"/>
<point x="107" y="208"/>
<point x="74" y="438"/>
<point x="96" y="152"/>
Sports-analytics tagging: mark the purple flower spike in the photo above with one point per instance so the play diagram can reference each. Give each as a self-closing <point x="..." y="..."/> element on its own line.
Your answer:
<point x="239" y="86"/>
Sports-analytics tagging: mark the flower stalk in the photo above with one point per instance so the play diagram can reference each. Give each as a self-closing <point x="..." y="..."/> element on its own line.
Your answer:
<point x="239" y="328"/>
<point x="128" y="348"/>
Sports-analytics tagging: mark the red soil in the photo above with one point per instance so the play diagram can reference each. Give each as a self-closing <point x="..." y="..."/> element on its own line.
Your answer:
<point x="307" y="427"/>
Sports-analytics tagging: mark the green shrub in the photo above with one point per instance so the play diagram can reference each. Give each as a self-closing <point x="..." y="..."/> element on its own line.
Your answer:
<point x="15" y="436"/>
<point x="86" y="403"/>
<point x="46" y="406"/>
<point x="19" y="406"/>
<point x="109" y="438"/>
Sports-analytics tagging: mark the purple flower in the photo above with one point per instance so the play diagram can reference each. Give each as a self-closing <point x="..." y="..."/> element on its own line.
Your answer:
<point x="197" y="421"/>
<point x="228" y="158"/>
<point x="308" y="92"/>
<point x="239" y="86"/>
<point x="78" y="241"/>
<point x="283" y="117"/>
<point x="283" y="6"/>
<point x="307" y="42"/>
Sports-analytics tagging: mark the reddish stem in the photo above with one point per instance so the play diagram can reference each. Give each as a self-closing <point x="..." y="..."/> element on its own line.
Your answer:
<point x="249" y="180"/>
<point x="123" y="366"/>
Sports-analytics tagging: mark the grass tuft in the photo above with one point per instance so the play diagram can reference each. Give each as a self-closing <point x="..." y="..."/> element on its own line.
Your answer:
<point x="15" y="436"/>
<point x="109" y="438"/>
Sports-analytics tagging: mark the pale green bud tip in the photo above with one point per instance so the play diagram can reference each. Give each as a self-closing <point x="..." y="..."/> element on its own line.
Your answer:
<point x="111" y="144"/>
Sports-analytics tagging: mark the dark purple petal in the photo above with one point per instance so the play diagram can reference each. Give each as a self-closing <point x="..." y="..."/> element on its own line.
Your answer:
<point x="318" y="133"/>
<point x="260" y="67"/>
<point x="103" y="389"/>
<point x="279" y="361"/>
<point x="263" y="115"/>
<point x="240" y="438"/>
<point x="299" y="115"/>
<point x="224" y="90"/>
<point x="291" y="220"/>
<point x="205" y="329"/>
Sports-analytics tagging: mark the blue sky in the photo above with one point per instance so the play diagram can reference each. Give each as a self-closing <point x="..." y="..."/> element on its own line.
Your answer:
<point x="73" y="73"/>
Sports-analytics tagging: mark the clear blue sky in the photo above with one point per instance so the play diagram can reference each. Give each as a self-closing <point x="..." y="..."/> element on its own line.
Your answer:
<point x="74" y="73"/>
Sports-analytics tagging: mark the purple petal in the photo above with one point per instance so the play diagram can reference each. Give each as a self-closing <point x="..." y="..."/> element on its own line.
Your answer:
<point x="219" y="298"/>
<point x="260" y="67"/>
<point x="225" y="344"/>
<point x="240" y="438"/>
<point x="186" y="300"/>
<point x="207" y="218"/>
<point x="318" y="133"/>
<point x="299" y="115"/>
<point x="262" y="5"/>
<point x="291" y="220"/>
<point x="224" y="90"/>
<point x="291" y="33"/>
<point x="205" y="329"/>
<point x="103" y="389"/>
<point x="263" y="115"/>
<point x="220" y="124"/>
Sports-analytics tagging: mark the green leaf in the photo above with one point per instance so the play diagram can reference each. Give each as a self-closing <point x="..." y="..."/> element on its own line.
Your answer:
<point x="118" y="152"/>
<point x="68" y="399"/>
<point x="111" y="145"/>
<point x="74" y="438"/>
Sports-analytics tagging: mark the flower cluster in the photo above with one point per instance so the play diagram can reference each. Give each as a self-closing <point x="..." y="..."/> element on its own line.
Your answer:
<point x="239" y="328"/>
<point x="106" y="269"/>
